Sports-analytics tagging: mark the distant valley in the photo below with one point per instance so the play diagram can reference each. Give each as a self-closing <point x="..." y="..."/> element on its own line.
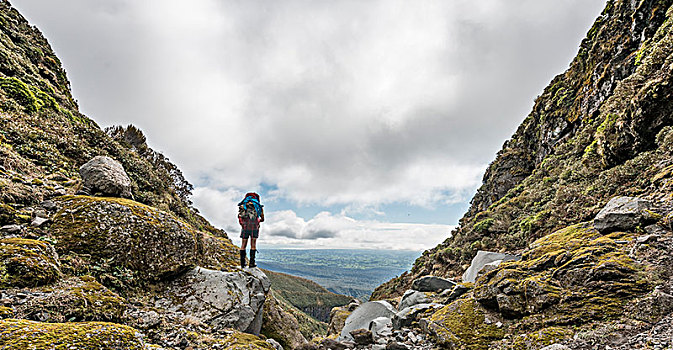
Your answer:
<point x="344" y="271"/>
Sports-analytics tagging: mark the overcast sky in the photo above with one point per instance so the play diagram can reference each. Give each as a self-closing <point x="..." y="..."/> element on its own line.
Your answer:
<point x="363" y="124"/>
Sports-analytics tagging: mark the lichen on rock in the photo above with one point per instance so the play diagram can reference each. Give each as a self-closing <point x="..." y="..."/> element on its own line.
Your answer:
<point x="463" y="325"/>
<point x="152" y="243"/>
<point x="27" y="263"/>
<point x="73" y="299"/>
<point x="572" y="275"/>
<point x="23" y="334"/>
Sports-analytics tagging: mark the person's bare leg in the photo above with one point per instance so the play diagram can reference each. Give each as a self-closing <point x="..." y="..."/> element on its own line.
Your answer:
<point x="253" y="243"/>
<point x="244" y="243"/>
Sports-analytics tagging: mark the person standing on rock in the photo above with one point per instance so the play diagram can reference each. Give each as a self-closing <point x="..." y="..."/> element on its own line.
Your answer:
<point x="250" y="214"/>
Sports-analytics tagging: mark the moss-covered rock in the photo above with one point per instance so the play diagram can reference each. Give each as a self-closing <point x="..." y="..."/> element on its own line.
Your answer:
<point x="217" y="253"/>
<point x="152" y="243"/>
<point x="27" y="263"/>
<point x="73" y="299"/>
<point x="23" y="334"/>
<point x="281" y="325"/>
<point x="463" y="325"/>
<point x="573" y="275"/>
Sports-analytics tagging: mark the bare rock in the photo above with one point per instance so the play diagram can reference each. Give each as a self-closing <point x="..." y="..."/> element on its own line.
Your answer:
<point x="432" y="284"/>
<point x="363" y="315"/>
<point x="484" y="258"/>
<point x="621" y="213"/>
<point x="220" y="299"/>
<point x="107" y="176"/>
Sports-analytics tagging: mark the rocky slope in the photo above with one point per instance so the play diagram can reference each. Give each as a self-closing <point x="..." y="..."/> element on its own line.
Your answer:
<point x="600" y="130"/>
<point x="81" y="267"/>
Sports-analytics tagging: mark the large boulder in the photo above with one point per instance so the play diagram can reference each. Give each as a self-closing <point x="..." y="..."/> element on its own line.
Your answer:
<point x="106" y="176"/>
<point x="364" y="315"/>
<point x="119" y="232"/>
<point x="27" y="263"/>
<point x="220" y="299"/>
<point x="621" y="213"/>
<point x="484" y="258"/>
<point x="432" y="284"/>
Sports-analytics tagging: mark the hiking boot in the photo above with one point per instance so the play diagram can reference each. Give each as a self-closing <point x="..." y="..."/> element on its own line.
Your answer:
<point x="242" y="253"/>
<point x="252" y="258"/>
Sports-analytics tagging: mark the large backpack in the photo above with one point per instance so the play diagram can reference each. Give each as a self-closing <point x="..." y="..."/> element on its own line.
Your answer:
<point x="247" y="211"/>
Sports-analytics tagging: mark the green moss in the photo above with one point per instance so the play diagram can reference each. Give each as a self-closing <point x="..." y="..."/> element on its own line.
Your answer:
<point x="541" y="338"/>
<point x="27" y="263"/>
<point x="461" y="324"/>
<point x="23" y="334"/>
<point x="238" y="340"/>
<point x="573" y="275"/>
<point x="6" y="312"/>
<point x="483" y="225"/>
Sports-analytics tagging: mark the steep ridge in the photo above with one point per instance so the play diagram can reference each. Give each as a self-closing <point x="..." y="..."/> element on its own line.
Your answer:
<point x="592" y="135"/>
<point x="82" y="268"/>
<point x="599" y="141"/>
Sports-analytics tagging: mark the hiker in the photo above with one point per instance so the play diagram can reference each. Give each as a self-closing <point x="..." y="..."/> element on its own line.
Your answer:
<point x="250" y="214"/>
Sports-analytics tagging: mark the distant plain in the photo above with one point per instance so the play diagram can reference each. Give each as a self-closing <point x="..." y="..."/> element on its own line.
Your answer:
<point x="343" y="271"/>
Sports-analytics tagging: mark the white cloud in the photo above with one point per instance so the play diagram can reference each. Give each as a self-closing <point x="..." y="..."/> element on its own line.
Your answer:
<point x="325" y="230"/>
<point x="356" y="104"/>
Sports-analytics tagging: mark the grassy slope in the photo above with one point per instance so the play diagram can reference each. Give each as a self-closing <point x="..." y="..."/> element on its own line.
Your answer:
<point x="306" y="295"/>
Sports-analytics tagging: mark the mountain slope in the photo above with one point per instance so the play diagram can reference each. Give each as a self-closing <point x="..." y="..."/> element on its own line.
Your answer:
<point x="592" y="135"/>
<point x="102" y="272"/>
<point x="602" y="129"/>
<point x="306" y="295"/>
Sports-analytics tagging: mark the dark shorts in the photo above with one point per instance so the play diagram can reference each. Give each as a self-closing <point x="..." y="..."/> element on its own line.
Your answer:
<point x="245" y="234"/>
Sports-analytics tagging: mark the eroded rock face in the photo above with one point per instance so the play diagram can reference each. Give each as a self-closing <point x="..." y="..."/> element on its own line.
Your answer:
<point x="220" y="299"/>
<point x="153" y="243"/>
<point x="484" y="258"/>
<point x="106" y="176"/>
<point x="621" y="213"/>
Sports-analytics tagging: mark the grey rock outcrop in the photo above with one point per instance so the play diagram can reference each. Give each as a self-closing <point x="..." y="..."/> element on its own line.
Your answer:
<point x="220" y="299"/>
<point x="484" y="258"/>
<point x="621" y="213"/>
<point x="412" y="297"/>
<point x="364" y="315"/>
<point x="432" y="284"/>
<point x="106" y="176"/>
<point x="407" y="316"/>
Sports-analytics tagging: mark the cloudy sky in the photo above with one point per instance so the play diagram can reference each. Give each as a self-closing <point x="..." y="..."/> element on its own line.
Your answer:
<point x="362" y="123"/>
